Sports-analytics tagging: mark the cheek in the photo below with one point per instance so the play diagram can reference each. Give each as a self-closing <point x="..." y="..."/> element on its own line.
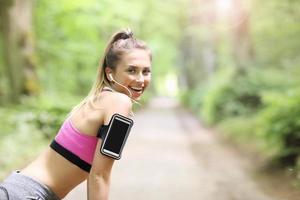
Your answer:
<point x="147" y="80"/>
<point x="128" y="78"/>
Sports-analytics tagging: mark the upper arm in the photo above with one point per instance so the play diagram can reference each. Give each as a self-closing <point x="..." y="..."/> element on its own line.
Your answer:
<point x="114" y="103"/>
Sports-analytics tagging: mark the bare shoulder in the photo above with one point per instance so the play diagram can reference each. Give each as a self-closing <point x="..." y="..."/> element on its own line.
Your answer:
<point x="115" y="102"/>
<point x="116" y="99"/>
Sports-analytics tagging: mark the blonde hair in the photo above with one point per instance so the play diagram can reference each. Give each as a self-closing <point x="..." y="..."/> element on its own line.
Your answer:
<point x="119" y="43"/>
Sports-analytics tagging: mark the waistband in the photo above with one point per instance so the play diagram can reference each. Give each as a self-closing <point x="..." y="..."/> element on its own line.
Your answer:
<point x="18" y="183"/>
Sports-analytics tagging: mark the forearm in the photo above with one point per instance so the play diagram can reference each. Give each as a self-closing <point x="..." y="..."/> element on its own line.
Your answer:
<point x="98" y="187"/>
<point x="99" y="177"/>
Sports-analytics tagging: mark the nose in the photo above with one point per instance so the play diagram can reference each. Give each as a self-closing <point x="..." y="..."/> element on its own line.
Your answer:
<point x="140" y="78"/>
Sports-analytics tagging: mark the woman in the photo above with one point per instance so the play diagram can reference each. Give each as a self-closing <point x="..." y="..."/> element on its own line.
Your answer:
<point x="74" y="156"/>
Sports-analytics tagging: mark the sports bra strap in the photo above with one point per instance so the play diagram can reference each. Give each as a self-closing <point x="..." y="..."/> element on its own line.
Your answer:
<point x="107" y="89"/>
<point x="102" y="131"/>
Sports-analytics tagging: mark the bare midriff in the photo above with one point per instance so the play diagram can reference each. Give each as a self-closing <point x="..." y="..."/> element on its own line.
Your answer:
<point x="54" y="171"/>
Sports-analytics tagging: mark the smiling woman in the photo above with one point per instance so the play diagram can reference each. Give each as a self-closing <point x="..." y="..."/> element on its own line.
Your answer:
<point x="132" y="74"/>
<point x="126" y="66"/>
<point x="74" y="155"/>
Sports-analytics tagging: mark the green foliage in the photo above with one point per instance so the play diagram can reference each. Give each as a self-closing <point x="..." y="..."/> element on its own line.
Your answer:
<point x="19" y="145"/>
<point x="231" y="94"/>
<point x="237" y="93"/>
<point x="27" y="128"/>
<point x="48" y="113"/>
<point x="193" y="99"/>
<point x="243" y="131"/>
<point x="43" y="114"/>
<point x="276" y="23"/>
<point x="49" y="121"/>
<point x="280" y="125"/>
<point x="71" y="37"/>
<point x="2" y="79"/>
<point x="218" y="93"/>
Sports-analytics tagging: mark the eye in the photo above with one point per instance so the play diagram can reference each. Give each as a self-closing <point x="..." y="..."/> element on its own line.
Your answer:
<point x="131" y="70"/>
<point x="146" y="71"/>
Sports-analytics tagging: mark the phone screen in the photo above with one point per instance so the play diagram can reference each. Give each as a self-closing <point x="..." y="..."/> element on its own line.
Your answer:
<point x="116" y="136"/>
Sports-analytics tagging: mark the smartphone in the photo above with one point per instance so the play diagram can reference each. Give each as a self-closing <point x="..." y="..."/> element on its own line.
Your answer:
<point x="115" y="139"/>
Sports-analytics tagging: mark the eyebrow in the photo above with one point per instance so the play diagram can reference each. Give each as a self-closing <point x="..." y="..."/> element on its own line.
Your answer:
<point x="133" y="66"/>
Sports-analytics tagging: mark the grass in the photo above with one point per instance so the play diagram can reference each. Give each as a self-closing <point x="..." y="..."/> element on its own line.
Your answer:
<point x="20" y="141"/>
<point x="18" y="148"/>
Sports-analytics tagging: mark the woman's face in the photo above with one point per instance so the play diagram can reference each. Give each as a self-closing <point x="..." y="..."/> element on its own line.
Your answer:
<point x="133" y="72"/>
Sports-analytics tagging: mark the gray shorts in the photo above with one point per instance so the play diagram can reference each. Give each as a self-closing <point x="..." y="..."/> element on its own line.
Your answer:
<point x="20" y="187"/>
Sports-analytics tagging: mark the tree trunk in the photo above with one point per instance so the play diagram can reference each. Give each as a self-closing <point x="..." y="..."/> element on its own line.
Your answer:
<point x="26" y="45"/>
<point x="242" y="43"/>
<point x="18" y="49"/>
<point x="9" y="50"/>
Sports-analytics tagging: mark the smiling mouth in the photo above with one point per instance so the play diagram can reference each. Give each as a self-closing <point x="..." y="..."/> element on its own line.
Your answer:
<point x="137" y="89"/>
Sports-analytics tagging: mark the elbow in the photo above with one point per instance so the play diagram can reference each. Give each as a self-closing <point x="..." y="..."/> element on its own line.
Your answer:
<point x="100" y="175"/>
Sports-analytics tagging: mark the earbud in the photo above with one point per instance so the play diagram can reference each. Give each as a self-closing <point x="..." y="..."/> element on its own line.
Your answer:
<point x="110" y="77"/>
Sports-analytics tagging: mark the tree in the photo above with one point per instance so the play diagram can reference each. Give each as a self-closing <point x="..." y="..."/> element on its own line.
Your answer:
<point x="243" y="51"/>
<point x="18" y="48"/>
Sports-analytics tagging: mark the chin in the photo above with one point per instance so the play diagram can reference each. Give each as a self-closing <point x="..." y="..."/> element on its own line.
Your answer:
<point x="136" y="98"/>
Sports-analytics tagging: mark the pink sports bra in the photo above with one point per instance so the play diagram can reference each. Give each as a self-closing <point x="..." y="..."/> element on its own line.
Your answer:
<point x="75" y="146"/>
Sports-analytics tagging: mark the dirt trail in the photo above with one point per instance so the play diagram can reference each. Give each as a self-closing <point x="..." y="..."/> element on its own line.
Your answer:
<point x="169" y="156"/>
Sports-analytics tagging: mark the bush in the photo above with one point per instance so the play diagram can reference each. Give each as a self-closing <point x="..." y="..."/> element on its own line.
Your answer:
<point x="231" y="94"/>
<point x="43" y="113"/>
<point x="280" y="125"/>
<point x="235" y="92"/>
<point x="241" y="129"/>
<point x="193" y="99"/>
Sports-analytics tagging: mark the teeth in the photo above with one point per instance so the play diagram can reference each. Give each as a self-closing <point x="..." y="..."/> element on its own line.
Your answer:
<point x="136" y="88"/>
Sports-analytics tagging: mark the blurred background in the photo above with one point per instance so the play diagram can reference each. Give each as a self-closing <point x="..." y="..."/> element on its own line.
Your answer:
<point x="235" y="64"/>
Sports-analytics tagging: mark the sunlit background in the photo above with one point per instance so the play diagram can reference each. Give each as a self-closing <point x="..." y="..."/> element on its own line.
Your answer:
<point x="234" y="63"/>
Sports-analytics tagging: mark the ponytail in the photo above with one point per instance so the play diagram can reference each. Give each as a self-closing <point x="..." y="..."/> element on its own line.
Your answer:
<point x="120" y="35"/>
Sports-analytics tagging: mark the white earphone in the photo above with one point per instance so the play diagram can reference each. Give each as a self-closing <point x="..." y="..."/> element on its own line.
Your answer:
<point x="112" y="79"/>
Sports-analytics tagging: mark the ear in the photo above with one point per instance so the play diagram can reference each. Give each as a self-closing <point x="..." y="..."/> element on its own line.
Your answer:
<point x="108" y="71"/>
